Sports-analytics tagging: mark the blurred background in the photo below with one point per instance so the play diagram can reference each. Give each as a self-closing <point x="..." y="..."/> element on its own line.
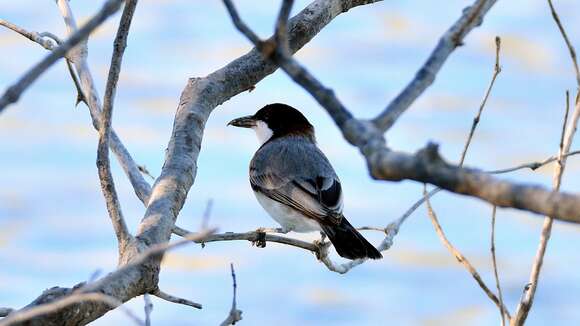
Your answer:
<point x="54" y="228"/>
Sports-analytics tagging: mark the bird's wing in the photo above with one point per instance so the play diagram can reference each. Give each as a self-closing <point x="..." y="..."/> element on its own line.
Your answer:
<point x="302" y="178"/>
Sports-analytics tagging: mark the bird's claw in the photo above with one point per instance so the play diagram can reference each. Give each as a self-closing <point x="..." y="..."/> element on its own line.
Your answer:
<point x="260" y="241"/>
<point x="321" y="248"/>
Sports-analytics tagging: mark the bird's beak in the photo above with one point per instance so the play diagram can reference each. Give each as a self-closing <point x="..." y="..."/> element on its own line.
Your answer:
<point x="244" y="122"/>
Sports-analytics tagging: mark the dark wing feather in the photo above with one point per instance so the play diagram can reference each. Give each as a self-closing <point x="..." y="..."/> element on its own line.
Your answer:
<point x="304" y="180"/>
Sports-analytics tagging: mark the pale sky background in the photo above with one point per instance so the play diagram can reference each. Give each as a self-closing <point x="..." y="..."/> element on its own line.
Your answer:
<point x="54" y="228"/>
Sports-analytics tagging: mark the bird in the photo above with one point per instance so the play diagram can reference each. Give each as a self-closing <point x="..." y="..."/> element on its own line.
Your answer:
<point x="295" y="183"/>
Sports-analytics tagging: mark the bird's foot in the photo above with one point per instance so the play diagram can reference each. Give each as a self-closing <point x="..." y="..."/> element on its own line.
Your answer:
<point x="321" y="247"/>
<point x="260" y="238"/>
<point x="322" y="236"/>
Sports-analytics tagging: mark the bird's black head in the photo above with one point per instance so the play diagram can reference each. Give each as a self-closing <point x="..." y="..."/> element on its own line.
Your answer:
<point x="276" y="120"/>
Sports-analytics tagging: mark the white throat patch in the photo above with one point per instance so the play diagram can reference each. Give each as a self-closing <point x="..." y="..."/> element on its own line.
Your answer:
<point x="262" y="131"/>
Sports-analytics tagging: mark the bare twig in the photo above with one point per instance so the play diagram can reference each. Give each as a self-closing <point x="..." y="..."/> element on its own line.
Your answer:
<point x="534" y="165"/>
<point x="568" y="43"/>
<point x="566" y="139"/>
<point x="40" y="38"/>
<point x="12" y="94"/>
<point x="33" y="36"/>
<point x="103" y="163"/>
<point x="453" y="38"/>
<point x="431" y="212"/>
<point x="148" y="308"/>
<point x="494" y="264"/>
<point x="29" y="313"/>
<point x="460" y="258"/>
<point x="235" y="314"/>
<point x="496" y="71"/>
<point x="168" y="297"/>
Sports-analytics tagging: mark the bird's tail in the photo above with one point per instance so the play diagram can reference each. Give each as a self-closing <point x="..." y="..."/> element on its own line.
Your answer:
<point x="348" y="242"/>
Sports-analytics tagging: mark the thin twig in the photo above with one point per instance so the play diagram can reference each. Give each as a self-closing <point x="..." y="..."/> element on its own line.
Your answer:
<point x="494" y="264"/>
<point x="567" y="136"/>
<point x="168" y="297"/>
<point x="502" y="309"/>
<point x="567" y="40"/>
<point x="33" y="36"/>
<point x="103" y="163"/>
<point x="48" y="44"/>
<point x="12" y="94"/>
<point x="235" y="315"/>
<point x="460" y="258"/>
<point x="148" y="308"/>
<point x="496" y="71"/>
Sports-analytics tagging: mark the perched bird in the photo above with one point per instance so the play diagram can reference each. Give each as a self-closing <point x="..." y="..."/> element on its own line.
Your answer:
<point x="295" y="183"/>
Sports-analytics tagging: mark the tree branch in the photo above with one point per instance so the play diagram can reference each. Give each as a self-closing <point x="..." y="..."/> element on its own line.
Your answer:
<point x="33" y="36"/>
<point x="460" y="258"/>
<point x="567" y="40"/>
<point x="494" y="265"/>
<point x="472" y="17"/>
<point x="103" y="164"/>
<point x="79" y="57"/>
<point x="235" y="314"/>
<point x="565" y="143"/>
<point x="168" y="297"/>
<point x="12" y="94"/>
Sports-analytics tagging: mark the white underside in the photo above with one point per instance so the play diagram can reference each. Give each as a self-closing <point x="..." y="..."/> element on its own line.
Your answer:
<point x="288" y="218"/>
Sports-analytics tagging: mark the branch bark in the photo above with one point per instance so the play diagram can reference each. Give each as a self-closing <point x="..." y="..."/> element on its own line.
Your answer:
<point x="103" y="163"/>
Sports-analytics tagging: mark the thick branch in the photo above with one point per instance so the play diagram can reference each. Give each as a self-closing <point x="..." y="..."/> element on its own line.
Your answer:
<point x="453" y="38"/>
<point x="428" y="167"/>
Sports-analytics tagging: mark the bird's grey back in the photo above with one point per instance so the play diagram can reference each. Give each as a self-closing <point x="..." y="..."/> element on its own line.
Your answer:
<point x="292" y="157"/>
